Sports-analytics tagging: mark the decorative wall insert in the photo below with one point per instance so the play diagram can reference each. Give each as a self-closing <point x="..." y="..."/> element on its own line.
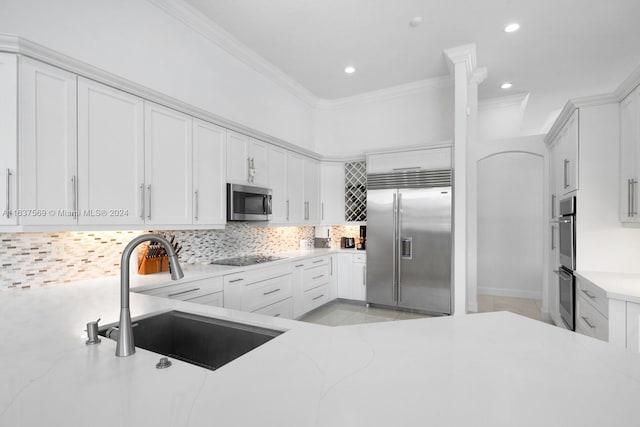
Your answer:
<point x="355" y="191"/>
<point x="35" y="259"/>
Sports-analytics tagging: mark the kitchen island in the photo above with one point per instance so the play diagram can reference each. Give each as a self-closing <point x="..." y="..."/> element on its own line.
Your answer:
<point x="493" y="369"/>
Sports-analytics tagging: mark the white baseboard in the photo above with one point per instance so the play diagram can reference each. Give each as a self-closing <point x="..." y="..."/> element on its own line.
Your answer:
<point x="513" y="293"/>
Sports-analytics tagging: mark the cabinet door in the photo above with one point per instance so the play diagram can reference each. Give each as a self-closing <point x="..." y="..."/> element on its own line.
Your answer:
<point x="209" y="177"/>
<point x="48" y="144"/>
<point x="259" y="161"/>
<point x="168" y="166"/>
<point x="237" y="158"/>
<point x="345" y="275"/>
<point x="359" y="282"/>
<point x="295" y="188"/>
<point x="278" y="183"/>
<point x="8" y="138"/>
<point x="110" y="155"/>
<point x="629" y="157"/>
<point x="311" y="190"/>
<point x="331" y="193"/>
<point x="633" y="327"/>
<point x="569" y="150"/>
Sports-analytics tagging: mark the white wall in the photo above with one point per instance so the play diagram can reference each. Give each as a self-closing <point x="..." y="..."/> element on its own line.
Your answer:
<point x="603" y="244"/>
<point x="500" y="118"/>
<point x="362" y="124"/>
<point x="138" y="41"/>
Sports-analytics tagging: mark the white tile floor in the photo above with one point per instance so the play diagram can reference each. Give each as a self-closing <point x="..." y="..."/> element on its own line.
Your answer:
<point x="340" y="312"/>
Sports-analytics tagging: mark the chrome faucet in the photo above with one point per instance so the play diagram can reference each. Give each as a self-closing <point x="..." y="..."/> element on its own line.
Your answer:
<point x="125" y="346"/>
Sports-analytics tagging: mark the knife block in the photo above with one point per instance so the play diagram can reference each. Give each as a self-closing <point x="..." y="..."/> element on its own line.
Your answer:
<point x="153" y="265"/>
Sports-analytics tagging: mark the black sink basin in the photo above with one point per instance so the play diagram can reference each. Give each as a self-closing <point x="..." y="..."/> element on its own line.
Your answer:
<point x="203" y="341"/>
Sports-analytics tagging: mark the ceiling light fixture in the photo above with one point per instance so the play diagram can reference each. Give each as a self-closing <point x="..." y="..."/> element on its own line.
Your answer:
<point x="415" y="21"/>
<point x="350" y="70"/>
<point x="506" y="85"/>
<point x="511" y="28"/>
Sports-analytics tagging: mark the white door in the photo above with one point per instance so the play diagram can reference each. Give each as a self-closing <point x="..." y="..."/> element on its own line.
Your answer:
<point x="237" y="158"/>
<point x="110" y="155"/>
<point x="168" y="166"/>
<point x="312" y="190"/>
<point x="209" y="173"/>
<point x="8" y="138"/>
<point x="48" y="144"/>
<point x="278" y="184"/>
<point x="295" y="188"/>
<point x="332" y="193"/>
<point x="259" y="154"/>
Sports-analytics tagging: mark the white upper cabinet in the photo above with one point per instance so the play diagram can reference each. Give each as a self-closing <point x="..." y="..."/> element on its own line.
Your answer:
<point x="278" y="184"/>
<point x="295" y="189"/>
<point x="110" y="155"/>
<point x="247" y="160"/>
<point x="209" y="176"/>
<point x="568" y="150"/>
<point x="311" y="191"/>
<point x="332" y="193"/>
<point x="8" y="138"/>
<point x="629" y="157"/>
<point x="168" y="166"/>
<point x="48" y="144"/>
<point x="406" y="161"/>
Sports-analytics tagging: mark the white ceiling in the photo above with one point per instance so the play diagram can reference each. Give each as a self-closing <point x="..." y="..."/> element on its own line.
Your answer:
<point x="567" y="47"/>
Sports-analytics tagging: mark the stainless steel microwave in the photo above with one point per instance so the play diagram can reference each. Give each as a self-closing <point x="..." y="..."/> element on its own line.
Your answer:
<point x="246" y="203"/>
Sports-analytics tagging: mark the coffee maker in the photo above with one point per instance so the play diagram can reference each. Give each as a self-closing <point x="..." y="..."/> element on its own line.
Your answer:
<point x="361" y="245"/>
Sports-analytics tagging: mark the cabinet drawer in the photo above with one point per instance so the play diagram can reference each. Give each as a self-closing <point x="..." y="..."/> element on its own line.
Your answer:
<point x="360" y="258"/>
<point x="316" y="276"/>
<point x="215" y="299"/>
<point x="590" y="321"/>
<point x="261" y="294"/>
<point x="282" y="309"/>
<point x="594" y="295"/>
<point x="187" y="290"/>
<point x="315" y="297"/>
<point x="314" y="262"/>
<point x="256" y="275"/>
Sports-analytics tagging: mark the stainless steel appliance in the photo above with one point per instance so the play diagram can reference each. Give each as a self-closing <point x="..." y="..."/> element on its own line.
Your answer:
<point x="567" y="251"/>
<point x="347" y="242"/>
<point x="245" y="203"/>
<point x="409" y="241"/>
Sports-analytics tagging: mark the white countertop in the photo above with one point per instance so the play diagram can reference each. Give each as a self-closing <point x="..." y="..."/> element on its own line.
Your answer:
<point x="621" y="286"/>
<point x="493" y="369"/>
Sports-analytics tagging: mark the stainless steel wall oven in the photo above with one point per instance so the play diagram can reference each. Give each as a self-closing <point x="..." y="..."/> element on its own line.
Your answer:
<point x="567" y="246"/>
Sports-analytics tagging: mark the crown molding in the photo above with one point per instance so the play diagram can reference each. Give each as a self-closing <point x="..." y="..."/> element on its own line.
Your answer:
<point x="628" y="85"/>
<point x="503" y="101"/>
<point x="407" y="148"/>
<point x="386" y="94"/>
<point x="201" y="24"/>
<point x="465" y="54"/>
<point x="479" y="75"/>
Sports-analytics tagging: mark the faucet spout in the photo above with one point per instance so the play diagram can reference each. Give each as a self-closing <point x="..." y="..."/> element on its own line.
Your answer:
<point x="125" y="346"/>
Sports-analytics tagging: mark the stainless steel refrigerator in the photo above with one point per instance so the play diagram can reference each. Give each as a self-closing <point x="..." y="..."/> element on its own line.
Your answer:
<point x="409" y="241"/>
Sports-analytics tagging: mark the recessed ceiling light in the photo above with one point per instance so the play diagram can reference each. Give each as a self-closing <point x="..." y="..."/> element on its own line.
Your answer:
<point x="350" y="70"/>
<point x="415" y="21"/>
<point x="506" y="85"/>
<point x="511" y="28"/>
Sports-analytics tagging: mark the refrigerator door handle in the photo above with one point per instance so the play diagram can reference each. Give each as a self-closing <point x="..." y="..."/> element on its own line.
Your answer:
<point x="398" y="242"/>
<point x="395" y="239"/>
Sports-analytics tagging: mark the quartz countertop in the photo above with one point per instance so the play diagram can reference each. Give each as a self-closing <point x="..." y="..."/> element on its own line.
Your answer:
<point x="491" y="369"/>
<point x="620" y="286"/>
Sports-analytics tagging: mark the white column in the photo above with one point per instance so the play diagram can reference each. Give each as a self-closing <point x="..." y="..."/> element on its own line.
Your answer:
<point x="462" y="64"/>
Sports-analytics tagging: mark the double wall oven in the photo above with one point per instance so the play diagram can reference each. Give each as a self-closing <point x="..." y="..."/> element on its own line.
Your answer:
<point x="567" y="250"/>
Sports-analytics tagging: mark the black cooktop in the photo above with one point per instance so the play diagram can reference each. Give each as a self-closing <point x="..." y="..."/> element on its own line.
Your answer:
<point x="242" y="261"/>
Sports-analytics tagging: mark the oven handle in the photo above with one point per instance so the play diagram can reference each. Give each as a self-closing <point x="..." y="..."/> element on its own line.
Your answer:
<point x="563" y="275"/>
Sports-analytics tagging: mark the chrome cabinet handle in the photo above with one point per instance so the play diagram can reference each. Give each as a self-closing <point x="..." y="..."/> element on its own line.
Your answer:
<point x="196" y="215"/>
<point x="74" y="189"/>
<point x="149" y="211"/>
<point x="631" y="198"/>
<point x="318" y="297"/>
<point x="553" y="206"/>
<point x="183" y="292"/>
<point x="322" y="211"/>
<point x="586" y="320"/>
<point x="306" y="210"/>
<point x="271" y="292"/>
<point x="287" y="210"/>
<point x="412" y="168"/>
<point x="317" y="277"/>
<point x="629" y="192"/>
<point x="236" y="280"/>
<point x="566" y="173"/>
<point x="364" y="275"/>
<point x="587" y="293"/>
<point x="248" y="169"/>
<point x="553" y="237"/>
<point x="276" y="315"/>
<point x="8" y="212"/>
<point x="299" y="265"/>
<point x="142" y="202"/>
<point x="317" y="261"/>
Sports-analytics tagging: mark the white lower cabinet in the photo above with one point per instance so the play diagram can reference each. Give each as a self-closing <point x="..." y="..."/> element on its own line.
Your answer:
<point x="313" y="282"/>
<point x="204" y="291"/>
<point x="352" y="276"/>
<point x="282" y="309"/>
<point x="592" y="310"/>
<point x="316" y="297"/>
<point x="633" y="327"/>
<point x="258" y="288"/>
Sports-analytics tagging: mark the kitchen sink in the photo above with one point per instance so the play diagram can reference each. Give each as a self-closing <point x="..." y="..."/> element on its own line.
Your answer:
<point x="199" y="340"/>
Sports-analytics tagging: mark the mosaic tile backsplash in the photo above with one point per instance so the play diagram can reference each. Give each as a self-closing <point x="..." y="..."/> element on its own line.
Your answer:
<point x="35" y="259"/>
